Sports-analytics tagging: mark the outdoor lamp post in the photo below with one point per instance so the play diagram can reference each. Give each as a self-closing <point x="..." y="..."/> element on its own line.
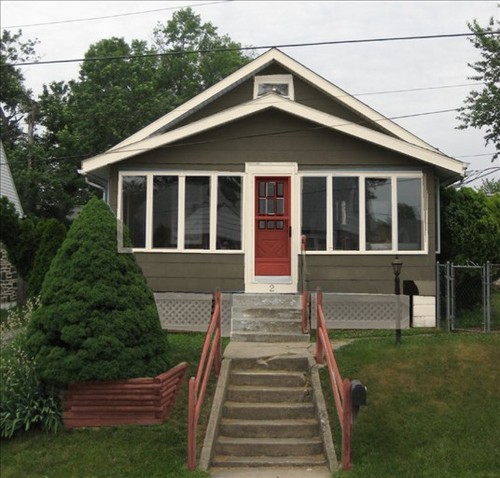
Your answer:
<point x="396" y="268"/>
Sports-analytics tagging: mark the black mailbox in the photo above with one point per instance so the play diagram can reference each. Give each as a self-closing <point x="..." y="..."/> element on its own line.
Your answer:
<point x="358" y="393"/>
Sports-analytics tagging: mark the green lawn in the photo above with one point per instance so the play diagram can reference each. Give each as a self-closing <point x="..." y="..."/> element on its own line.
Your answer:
<point x="433" y="406"/>
<point x="433" y="411"/>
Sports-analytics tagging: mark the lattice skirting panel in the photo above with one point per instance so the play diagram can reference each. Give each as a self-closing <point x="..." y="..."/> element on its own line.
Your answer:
<point x="363" y="311"/>
<point x="191" y="312"/>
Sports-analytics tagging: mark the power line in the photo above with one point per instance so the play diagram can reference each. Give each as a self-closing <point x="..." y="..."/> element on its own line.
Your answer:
<point x="413" y="89"/>
<point x="59" y="22"/>
<point x="251" y="48"/>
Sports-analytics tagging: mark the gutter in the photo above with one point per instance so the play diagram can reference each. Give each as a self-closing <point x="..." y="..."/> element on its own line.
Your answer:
<point x="94" y="182"/>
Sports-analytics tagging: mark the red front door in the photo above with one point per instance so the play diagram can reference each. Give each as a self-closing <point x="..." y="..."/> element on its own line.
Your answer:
<point x="272" y="226"/>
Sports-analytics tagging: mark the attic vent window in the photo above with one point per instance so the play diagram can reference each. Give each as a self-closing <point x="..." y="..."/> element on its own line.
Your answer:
<point x="280" y="84"/>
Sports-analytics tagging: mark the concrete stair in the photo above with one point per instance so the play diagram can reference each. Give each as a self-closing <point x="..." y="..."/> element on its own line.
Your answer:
<point x="267" y="318"/>
<point x="269" y="417"/>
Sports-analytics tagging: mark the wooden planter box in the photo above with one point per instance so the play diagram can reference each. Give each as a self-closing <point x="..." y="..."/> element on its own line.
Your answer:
<point x="136" y="401"/>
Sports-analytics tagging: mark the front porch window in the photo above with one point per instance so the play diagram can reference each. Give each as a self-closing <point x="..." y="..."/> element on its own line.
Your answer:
<point x="314" y="213"/>
<point x="134" y="208"/>
<point x="165" y="211"/>
<point x="378" y="209"/>
<point x="363" y="213"/>
<point x="178" y="212"/>
<point x="229" y="213"/>
<point x="197" y="213"/>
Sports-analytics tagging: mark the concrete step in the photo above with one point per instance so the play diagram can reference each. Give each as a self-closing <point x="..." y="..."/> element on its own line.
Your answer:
<point x="257" y="461"/>
<point x="267" y="324"/>
<point x="303" y="428"/>
<point x="268" y="378"/>
<point x="282" y="363"/>
<point x="268" y="410"/>
<point x="268" y="446"/>
<point x="263" y="313"/>
<point x="269" y="337"/>
<point x="269" y="301"/>
<point x="245" y="393"/>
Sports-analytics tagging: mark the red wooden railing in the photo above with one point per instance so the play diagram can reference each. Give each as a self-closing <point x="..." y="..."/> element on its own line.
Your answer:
<point x="210" y="357"/>
<point x="341" y="388"/>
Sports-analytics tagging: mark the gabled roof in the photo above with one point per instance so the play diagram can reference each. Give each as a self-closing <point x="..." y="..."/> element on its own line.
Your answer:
<point x="166" y="130"/>
<point x="253" y="68"/>
<point x="276" y="102"/>
<point x="7" y="186"/>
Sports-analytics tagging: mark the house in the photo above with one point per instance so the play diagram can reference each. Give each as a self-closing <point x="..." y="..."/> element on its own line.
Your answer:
<point x="9" y="281"/>
<point x="218" y="192"/>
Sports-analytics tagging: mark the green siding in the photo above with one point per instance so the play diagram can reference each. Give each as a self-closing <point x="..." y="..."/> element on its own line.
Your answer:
<point x="173" y="272"/>
<point x="276" y="137"/>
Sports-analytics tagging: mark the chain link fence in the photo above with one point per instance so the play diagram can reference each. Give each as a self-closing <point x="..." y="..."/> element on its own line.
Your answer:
<point x="468" y="297"/>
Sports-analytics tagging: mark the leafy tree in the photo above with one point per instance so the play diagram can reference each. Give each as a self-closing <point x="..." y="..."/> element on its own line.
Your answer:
<point x="184" y="74"/>
<point x="16" y="101"/>
<point x="52" y="234"/>
<point x="470" y="226"/>
<point x="111" y="99"/>
<point x="470" y="234"/>
<point x="490" y="186"/>
<point x="98" y="319"/>
<point x="482" y="108"/>
<point x="19" y="236"/>
<point x="9" y="220"/>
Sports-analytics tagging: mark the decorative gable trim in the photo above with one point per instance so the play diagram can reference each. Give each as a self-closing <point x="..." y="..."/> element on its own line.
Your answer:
<point x="252" y="69"/>
<point x="274" y="101"/>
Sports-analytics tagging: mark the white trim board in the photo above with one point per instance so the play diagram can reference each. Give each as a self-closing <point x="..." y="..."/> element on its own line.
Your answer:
<point x="274" y="101"/>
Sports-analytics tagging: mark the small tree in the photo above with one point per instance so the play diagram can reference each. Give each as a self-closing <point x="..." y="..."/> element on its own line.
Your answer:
<point x="98" y="319"/>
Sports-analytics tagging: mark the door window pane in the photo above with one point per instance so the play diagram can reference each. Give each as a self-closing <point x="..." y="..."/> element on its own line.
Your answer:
<point x="280" y="206"/>
<point x="314" y="212"/>
<point x="270" y="207"/>
<point x="134" y="208"/>
<point x="346" y="214"/>
<point x="165" y="210"/>
<point x="271" y="189"/>
<point x="280" y="190"/>
<point x="409" y="214"/>
<point x="378" y="214"/>
<point x="262" y="189"/>
<point x="229" y="212"/>
<point x="197" y="213"/>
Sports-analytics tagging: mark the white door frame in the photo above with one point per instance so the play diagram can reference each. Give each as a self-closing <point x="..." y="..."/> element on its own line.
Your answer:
<point x="270" y="284"/>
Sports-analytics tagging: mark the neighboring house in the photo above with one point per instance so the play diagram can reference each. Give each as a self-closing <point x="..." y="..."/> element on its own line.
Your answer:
<point x="218" y="192"/>
<point x="9" y="281"/>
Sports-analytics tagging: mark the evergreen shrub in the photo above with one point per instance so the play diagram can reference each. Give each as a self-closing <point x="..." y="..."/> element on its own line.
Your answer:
<point x="98" y="319"/>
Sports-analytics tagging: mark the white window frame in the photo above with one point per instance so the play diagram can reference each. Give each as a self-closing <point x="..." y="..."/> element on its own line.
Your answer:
<point x="181" y="209"/>
<point x="393" y="176"/>
<point x="274" y="80"/>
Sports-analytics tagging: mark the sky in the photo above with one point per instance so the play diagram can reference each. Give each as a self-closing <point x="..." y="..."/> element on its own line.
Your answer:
<point x="437" y="69"/>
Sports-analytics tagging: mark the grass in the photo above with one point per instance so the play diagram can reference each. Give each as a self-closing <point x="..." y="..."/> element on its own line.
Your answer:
<point x="433" y="407"/>
<point x="433" y="412"/>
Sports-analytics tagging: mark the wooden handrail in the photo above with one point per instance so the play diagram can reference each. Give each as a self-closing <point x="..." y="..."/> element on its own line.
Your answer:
<point x="211" y="356"/>
<point x="341" y="388"/>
